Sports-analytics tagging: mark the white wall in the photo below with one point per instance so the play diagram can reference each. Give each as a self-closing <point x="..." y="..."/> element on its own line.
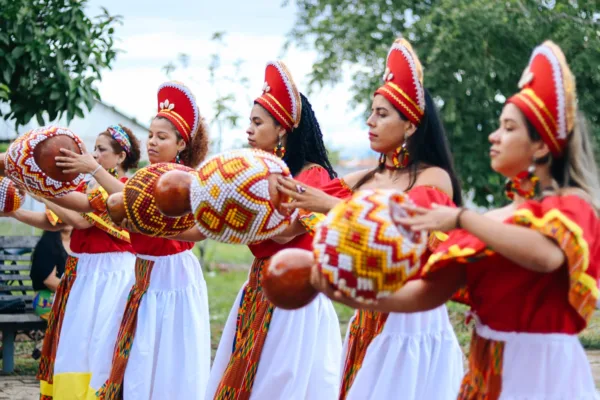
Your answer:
<point x="87" y="128"/>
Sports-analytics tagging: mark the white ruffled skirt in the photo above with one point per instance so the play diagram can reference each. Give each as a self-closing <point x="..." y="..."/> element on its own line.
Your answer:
<point x="415" y="357"/>
<point x="300" y="357"/>
<point x="91" y="322"/>
<point x="537" y="366"/>
<point x="170" y="354"/>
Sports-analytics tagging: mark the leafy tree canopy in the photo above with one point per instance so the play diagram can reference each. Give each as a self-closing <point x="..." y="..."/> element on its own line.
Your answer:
<point x="52" y="54"/>
<point x="473" y="53"/>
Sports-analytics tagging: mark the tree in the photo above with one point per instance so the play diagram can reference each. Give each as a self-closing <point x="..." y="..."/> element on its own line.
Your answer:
<point x="473" y="53"/>
<point x="52" y="54"/>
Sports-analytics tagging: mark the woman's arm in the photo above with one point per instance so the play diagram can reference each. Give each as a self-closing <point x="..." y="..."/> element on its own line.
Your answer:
<point x="75" y="201"/>
<point x="68" y="216"/>
<point x="86" y="164"/>
<point x="305" y="196"/>
<point x="52" y="281"/>
<point x="191" y="235"/>
<point x="36" y="219"/>
<point x="416" y="296"/>
<point x="525" y="247"/>
<point x="295" y="229"/>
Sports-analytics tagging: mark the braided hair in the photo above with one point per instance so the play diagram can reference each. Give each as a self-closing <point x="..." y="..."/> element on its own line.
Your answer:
<point x="305" y="143"/>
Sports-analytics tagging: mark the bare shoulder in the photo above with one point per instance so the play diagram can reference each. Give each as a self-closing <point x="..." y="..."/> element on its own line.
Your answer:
<point x="352" y="178"/>
<point x="436" y="177"/>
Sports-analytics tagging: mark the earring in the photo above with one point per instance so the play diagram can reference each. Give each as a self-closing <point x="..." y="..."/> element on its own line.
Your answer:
<point x="401" y="156"/>
<point x="279" y="150"/>
<point x="526" y="184"/>
<point x="382" y="159"/>
<point x="113" y="172"/>
<point x="177" y="158"/>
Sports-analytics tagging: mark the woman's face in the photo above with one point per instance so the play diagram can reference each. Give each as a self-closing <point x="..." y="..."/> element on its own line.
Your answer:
<point x="262" y="132"/>
<point x="163" y="144"/>
<point x="512" y="151"/>
<point x="386" y="129"/>
<point x="105" y="155"/>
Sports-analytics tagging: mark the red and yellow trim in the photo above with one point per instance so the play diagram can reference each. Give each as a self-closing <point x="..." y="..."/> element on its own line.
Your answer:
<point x="583" y="289"/>
<point x="538" y="114"/>
<point x="182" y="126"/>
<point x="275" y="108"/>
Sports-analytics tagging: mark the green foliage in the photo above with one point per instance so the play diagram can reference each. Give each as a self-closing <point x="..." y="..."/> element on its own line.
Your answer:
<point x="473" y="53"/>
<point x="52" y="55"/>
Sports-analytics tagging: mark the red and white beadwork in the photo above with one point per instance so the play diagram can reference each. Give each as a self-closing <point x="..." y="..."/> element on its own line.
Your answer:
<point x="10" y="198"/>
<point x="140" y="203"/>
<point x="22" y="168"/>
<point x="230" y="197"/>
<point x="361" y="248"/>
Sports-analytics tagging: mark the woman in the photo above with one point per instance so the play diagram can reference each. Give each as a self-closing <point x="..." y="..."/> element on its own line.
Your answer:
<point x="385" y="354"/>
<point x="163" y="347"/>
<point x="47" y="267"/>
<point x="295" y="353"/>
<point x="530" y="268"/>
<point x="92" y="294"/>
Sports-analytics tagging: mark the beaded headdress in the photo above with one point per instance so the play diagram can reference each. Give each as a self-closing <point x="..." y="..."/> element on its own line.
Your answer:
<point x="177" y="104"/>
<point x="280" y="97"/>
<point x="547" y="97"/>
<point x="403" y="79"/>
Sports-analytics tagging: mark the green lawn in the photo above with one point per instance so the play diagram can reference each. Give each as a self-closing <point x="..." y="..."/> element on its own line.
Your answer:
<point x="223" y="287"/>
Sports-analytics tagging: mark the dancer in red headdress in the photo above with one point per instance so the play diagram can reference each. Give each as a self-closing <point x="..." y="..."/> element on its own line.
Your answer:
<point x="530" y="268"/>
<point x="412" y="356"/>
<point x="267" y="352"/>
<point x="91" y="296"/>
<point x="163" y="346"/>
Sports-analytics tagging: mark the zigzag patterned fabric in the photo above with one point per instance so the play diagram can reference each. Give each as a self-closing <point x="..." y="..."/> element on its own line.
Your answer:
<point x="22" y="168"/>
<point x="230" y="197"/>
<point x="113" y="387"/>
<point x="363" y="251"/>
<point x="252" y="326"/>
<point x="140" y="206"/>
<point x="55" y="320"/>
<point x="10" y="198"/>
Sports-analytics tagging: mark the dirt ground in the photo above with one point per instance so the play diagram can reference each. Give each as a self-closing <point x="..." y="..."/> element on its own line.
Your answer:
<point x="26" y="387"/>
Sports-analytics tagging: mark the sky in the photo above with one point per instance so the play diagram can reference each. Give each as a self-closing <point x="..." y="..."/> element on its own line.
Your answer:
<point x="155" y="33"/>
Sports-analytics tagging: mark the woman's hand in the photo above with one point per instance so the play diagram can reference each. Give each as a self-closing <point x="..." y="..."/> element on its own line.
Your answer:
<point x="320" y="283"/>
<point x="72" y="162"/>
<point x="438" y="218"/>
<point x="128" y="226"/>
<point x="305" y="197"/>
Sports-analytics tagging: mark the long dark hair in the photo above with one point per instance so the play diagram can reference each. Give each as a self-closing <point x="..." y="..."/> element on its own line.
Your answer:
<point x="305" y="143"/>
<point x="428" y="147"/>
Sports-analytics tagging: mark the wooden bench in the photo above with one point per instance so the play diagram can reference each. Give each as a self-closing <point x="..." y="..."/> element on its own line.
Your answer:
<point x="15" y="283"/>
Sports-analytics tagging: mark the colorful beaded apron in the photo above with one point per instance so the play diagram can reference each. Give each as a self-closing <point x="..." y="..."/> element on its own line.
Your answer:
<point x="365" y="326"/>
<point x="253" y="320"/>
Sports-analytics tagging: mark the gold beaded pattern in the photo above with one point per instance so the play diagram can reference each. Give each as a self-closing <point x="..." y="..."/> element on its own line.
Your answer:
<point x="22" y="168"/>
<point x="140" y="206"/>
<point x="230" y="197"/>
<point x="10" y="198"/>
<point x="362" y="250"/>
